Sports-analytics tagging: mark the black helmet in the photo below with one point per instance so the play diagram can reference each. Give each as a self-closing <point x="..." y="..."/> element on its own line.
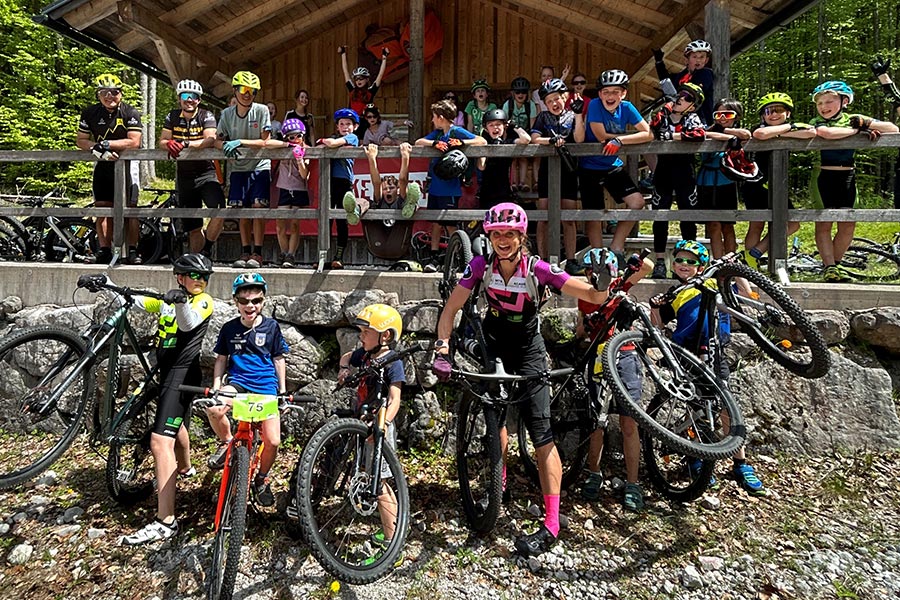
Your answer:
<point x="495" y="114"/>
<point x="552" y="86"/>
<point x="192" y="263"/>
<point x="520" y="84"/>
<point x="451" y="165"/>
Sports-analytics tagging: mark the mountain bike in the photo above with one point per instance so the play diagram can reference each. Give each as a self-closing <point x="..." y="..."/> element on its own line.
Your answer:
<point x="347" y="478"/>
<point x="869" y="263"/>
<point x="173" y="241"/>
<point x="241" y="463"/>
<point x="49" y="387"/>
<point x="891" y="247"/>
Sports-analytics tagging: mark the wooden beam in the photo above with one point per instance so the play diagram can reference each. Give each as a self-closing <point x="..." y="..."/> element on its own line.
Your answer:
<point x="168" y="60"/>
<point x="573" y="19"/>
<point x="644" y="63"/>
<point x="183" y="13"/>
<point x="636" y="13"/>
<point x="248" y="20"/>
<point x="295" y="28"/>
<point x="89" y="13"/>
<point x="141" y="20"/>
<point x="718" y="34"/>
<point x="694" y="30"/>
<point x="416" y="67"/>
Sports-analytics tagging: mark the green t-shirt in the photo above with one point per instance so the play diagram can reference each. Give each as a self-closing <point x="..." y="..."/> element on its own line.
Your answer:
<point x="521" y="115"/>
<point x="477" y="114"/>
<point x="249" y="127"/>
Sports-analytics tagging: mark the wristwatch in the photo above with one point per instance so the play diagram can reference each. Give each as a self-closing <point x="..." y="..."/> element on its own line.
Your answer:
<point x="440" y="344"/>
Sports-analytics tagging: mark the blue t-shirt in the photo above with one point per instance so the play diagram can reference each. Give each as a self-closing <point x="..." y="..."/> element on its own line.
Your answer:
<point x="342" y="168"/>
<point x="251" y="353"/>
<point x="367" y="392"/>
<point x="446" y="187"/>
<point x="615" y="122"/>
<point x="685" y="309"/>
<point x="710" y="173"/>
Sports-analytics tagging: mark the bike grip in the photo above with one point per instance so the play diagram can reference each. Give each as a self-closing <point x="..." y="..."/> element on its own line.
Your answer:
<point x="301" y="398"/>
<point x="193" y="389"/>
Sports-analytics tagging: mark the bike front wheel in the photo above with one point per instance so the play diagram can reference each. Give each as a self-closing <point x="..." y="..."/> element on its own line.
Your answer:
<point x="78" y="242"/>
<point x="15" y="244"/>
<point x="150" y="243"/>
<point x="356" y="535"/>
<point x="770" y="323"/>
<point x="130" y="475"/>
<point x="871" y="264"/>
<point x="479" y="463"/>
<point x="689" y="401"/>
<point x="459" y="254"/>
<point x="45" y="392"/>
<point x="232" y="523"/>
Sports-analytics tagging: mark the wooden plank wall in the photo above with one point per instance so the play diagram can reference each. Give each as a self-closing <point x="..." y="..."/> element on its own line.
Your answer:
<point x="480" y="40"/>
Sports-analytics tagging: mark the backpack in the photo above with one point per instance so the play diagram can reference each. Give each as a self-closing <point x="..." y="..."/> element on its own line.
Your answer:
<point x="534" y="288"/>
<point x="510" y="105"/>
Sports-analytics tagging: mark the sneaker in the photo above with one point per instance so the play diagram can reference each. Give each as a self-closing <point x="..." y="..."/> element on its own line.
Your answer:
<point x="104" y="256"/>
<point x="694" y="466"/>
<point x="216" y="461"/>
<point x="187" y="474"/>
<point x="834" y="274"/>
<point x="659" y="270"/>
<point x="750" y="260"/>
<point x="433" y="266"/>
<point x="535" y="544"/>
<point x="747" y="479"/>
<point x="336" y="264"/>
<point x="591" y="489"/>
<point x="846" y="275"/>
<point x="411" y="202"/>
<point x="152" y="532"/>
<point x="634" y="497"/>
<point x="352" y="208"/>
<point x="255" y="261"/>
<point x="287" y="261"/>
<point x="241" y="263"/>
<point x="134" y="258"/>
<point x="262" y="491"/>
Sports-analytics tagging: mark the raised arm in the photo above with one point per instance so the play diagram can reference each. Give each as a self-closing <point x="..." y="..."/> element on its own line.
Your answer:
<point x="384" y="58"/>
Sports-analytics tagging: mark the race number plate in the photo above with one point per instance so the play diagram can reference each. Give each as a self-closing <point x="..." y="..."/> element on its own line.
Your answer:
<point x="254" y="408"/>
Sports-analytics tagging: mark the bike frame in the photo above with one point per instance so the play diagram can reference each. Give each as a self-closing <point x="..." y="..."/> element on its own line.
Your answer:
<point x="246" y="435"/>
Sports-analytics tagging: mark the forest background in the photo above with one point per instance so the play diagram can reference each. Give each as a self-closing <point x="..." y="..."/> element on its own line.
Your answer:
<point x="45" y="82"/>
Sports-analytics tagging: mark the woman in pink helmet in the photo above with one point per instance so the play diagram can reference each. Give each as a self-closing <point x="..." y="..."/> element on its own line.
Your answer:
<point x="513" y="283"/>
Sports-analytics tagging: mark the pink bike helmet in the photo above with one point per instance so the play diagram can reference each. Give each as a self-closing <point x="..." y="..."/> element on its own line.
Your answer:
<point x="506" y="215"/>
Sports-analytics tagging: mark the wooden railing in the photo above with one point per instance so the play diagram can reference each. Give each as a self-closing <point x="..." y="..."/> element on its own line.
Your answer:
<point x="778" y="217"/>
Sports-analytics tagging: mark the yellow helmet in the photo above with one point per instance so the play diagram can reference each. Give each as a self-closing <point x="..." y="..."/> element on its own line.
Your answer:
<point x="107" y="80"/>
<point x="381" y="318"/>
<point x="246" y="78"/>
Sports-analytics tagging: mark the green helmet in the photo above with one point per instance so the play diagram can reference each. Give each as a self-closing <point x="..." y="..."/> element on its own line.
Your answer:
<point x="108" y="80"/>
<point x="246" y="78"/>
<point x="774" y="98"/>
<point x="694" y="90"/>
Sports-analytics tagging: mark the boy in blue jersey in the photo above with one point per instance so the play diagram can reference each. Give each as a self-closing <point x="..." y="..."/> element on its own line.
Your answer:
<point x="251" y="349"/>
<point x="346" y="121"/>
<point x="690" y="259"/>
<point x="444" y="194"/>
<point x="608" y="118"/>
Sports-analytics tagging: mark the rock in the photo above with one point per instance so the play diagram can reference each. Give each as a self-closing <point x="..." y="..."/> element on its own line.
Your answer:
<point x="589" y="524"/>
<point x="145" y="324"/>
<point x="878" y="326"/>
<point x="75" y="317"/>
<point x="669" y="587"/>
<point x="710" y="502"/>
<point x="711" y="563"/>
<point x="67" y="530"/>
<point x="20" y="554"/>
<point x="690" y="578"/>
<point x="358" y="299"/>
<point x="72" y="514"/>
<point x="322" y="308"/>
<point x="420" y="317"/>
<point x="563" y="521"/>
<point x="95" y="534"/>
<point x="558" y="324"/>
<point x="222" y="313"/>
<point x="48" y="478"/>
<point x="832" y="324"/>
<point x="305" y="358"/>
<point x="534" y="564"/>
<point x="38" y="500"/>
<point x="4" y="528"/>
<point x="616" y="484"/>
<point x="347" y="338"/>
<point x="19" y="517"/>
<point x="427" y="421"/>
<point x="534" y="510"/>
<point x="10" y="306"/>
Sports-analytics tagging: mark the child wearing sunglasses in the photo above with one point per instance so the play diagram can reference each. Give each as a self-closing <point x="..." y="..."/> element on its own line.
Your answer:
<point x="251" y="349"/>
<point x="184" y="314"/>
<point x="291" y="180"/>
<point x="690" y="259"/>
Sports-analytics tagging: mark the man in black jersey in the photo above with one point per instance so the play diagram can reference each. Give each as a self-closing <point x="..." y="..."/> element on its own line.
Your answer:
<point x="106" y="129"/>
<point x="193" y="127"/>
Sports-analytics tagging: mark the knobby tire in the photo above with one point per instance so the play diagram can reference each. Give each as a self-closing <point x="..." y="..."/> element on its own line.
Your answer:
<point x="479" y="463"/>
<point x="232" y="524"/>
<point x="130" y="474"/>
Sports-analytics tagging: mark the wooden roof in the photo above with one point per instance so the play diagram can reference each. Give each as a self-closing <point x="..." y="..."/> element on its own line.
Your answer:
<point x="208" y="40"/>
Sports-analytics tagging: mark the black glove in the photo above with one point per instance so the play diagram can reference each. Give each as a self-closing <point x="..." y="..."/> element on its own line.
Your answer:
<point x="101" y="150"/>
<point x="658" y="54"/>
<point x="659" y="300"/>
<point x="385" y="52"/>
<point x="635" y="262"/>
<point x="577" y="106"/>
<point x="555" y="137"/>
<point x="601" y="275"/>
<point x="175" y="297"/>
<point x="880" y="66"/>
<point x="92" y="282"/>
<point x="733" y="144"/>
<point x="860" y="122"/>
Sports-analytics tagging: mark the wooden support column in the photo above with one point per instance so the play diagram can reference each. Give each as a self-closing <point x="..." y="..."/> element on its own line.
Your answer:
<point x="119" y="191"/>
<point x="778" y="198"/>
<point x="718" y="34"/>
<point x="554" y="203"/>
<point x="416" y="67"/>
<point x="324" y="237"/>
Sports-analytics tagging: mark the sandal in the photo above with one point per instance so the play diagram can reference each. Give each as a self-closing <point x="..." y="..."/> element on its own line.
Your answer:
<point x="634" y="497"/>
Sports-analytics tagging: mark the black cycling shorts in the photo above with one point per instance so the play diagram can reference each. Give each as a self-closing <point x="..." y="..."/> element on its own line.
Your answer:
<point x="103" y="184"/>
<point x="718" y="197"/>
<point x="191" y="195"/>
<point x="568" y="182"/>
<point x="617" y="182"/>
<point x="174" y="408"/>
<point x="837" y="188"/>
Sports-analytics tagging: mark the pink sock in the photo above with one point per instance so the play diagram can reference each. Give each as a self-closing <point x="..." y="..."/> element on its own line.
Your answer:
<point x="551" y="514"/>
<point x="503" y="477"/>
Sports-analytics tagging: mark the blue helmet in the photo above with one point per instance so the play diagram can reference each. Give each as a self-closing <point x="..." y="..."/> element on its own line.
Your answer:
<point x="587" y="261"/>
<point x="695" y="248"/>
<point x="248" y="280"/>
<point x="346" y="113"/>
<point x="838" y="87"/>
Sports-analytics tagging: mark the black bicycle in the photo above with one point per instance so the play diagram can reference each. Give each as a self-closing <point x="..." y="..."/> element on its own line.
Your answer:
<point x="351" y="492"/>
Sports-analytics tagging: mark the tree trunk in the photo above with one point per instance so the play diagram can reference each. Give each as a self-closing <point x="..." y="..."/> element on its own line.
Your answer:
<point x="151" y="127"/>
<point x="145" y="128"/>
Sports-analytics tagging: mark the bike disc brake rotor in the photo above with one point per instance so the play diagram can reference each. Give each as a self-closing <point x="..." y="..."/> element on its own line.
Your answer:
<point x="362" y="501"/>
<point x="679" y="390"/>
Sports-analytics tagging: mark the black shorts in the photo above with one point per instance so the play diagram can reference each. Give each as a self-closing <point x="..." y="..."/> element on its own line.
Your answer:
<point x="837" y="188"/>
<point x="294" y="198"/>
<point x="104" y="184"/>
<point x="442" y="202"/>
<point x="568" y="182"/>
<point x="174" y="408"/>
<point x="674" y="180"/>
<point x="616" y="181"/>
<point x="191" y="195"/>
<point x="756" y="195"/>
<point x="339" y="187"/>
<point x="718" y="197"/>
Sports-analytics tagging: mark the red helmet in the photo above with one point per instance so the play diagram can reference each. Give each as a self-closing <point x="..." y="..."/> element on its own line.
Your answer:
<point x="506" y="215"/>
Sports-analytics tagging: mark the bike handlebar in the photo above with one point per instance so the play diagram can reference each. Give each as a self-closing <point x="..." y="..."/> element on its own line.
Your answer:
<point x="211" y="394"/>
<point x="698" y="280"/>
<point x="98" y="281"/>
<point x="379" y="364"/>
<point x="500" y="374"/>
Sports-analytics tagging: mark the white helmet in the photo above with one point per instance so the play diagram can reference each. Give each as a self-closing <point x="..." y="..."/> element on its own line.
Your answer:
<point x="698" y="46"/>
<point x="189" y="85"/>
<point x="613" y="77"/>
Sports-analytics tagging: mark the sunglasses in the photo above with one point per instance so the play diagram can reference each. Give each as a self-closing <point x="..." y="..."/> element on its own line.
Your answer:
<point x="725" y="114"/>
<point x="370" y="116"/>
<point x="687" y="97"/>
<point x="185" y="96"/>
<point x="520" y="93"/>
<point x="580" y="82"/>
<point x="687" y="261"/>
<point x="245" y="89"/>
<point x="775" y="110"/>
<point x="110" y="92"/>
<point x="295" y="136"/>
<point x="245" y="301"/>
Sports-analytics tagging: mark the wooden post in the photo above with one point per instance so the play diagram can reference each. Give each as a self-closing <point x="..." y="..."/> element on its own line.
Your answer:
<point x="324" y="206"/>
<point x="778" y="198"/>
<point x="416" y="67"/>
<point x="554" y="181"/>
<point x="119" y="191"/>
<point x="718" y="34"/>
